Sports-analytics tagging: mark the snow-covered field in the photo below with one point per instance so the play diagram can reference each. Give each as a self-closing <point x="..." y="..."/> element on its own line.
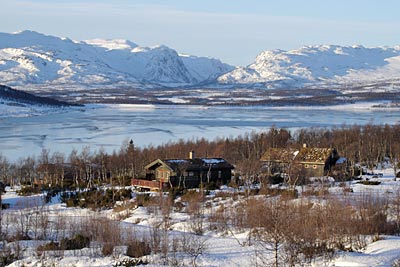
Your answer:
<point x="221" y="248"/>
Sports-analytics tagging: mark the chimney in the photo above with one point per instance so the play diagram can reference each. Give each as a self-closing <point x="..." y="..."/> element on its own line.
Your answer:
<point x="191" y="155"/>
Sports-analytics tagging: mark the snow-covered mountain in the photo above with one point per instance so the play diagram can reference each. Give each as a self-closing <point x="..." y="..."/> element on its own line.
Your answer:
<point x="32" y="58"/>
<point x="323" y="64"/>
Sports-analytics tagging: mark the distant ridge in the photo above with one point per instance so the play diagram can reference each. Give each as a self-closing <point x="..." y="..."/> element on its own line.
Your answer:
<point x="318" y="65"/>
<point x="20" y="97"/>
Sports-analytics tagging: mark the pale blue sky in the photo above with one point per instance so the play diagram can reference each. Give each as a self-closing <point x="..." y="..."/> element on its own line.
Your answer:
<point x="234" y="31"/>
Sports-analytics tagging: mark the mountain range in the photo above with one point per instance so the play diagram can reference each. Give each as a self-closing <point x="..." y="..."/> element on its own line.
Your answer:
<point x="319" y="65"/>
<point x="32" y="58"/>
<point x="29" y="58"/>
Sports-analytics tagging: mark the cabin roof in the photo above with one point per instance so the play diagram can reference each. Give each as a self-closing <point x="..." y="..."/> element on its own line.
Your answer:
<point x="190" y="164"/>
<point x="314" y="154"/>
<point x="305" y="154"/>
<point x="279" y="154"/>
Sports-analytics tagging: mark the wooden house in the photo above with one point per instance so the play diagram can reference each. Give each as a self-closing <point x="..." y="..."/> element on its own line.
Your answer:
<point x="277" y="160"/>
<point x="187" y="173"/>
<point x="313" y="161"/>
<point x="317" y="161"/>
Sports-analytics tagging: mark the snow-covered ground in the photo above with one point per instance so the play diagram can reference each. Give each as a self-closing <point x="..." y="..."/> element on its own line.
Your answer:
<point x="221" y="249"/>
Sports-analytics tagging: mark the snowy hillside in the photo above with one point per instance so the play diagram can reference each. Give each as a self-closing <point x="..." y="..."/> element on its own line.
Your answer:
<point x="324" y="64"/>
<point x="32" y="58"/>
<point x="219" y="244"/>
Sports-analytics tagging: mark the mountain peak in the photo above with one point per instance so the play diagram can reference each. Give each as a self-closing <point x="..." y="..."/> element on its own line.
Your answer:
<point x="307" y="65"/>
<point x="112" y="44"/>
<point x="29" y="57"/>
<point x="28" y="33"/>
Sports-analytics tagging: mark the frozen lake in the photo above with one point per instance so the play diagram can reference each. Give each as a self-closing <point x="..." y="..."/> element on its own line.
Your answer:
<point x="109" y="126"/>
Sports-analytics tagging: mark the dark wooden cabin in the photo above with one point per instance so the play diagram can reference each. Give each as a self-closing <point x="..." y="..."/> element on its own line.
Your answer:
<point x="187" y="173"/>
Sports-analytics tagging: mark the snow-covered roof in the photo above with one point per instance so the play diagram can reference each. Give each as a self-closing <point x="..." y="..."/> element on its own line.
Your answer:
<point x="195" y="163"/>
<point x="213" y="160"/>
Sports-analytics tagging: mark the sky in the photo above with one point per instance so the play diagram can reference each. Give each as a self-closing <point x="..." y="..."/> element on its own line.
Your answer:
<point x="234" y="31"/>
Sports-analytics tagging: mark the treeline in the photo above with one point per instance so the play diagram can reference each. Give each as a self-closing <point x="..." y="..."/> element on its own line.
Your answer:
<point x="368" y="145"/>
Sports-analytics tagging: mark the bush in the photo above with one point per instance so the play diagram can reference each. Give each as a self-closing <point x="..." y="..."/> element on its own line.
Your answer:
<point x="131" y="262"/>
<point x="369" y="182"/>
<point x="5" y="206"/>
<point x="138" y="249"/>
<point x="49" y="246"/>
<point x="77" y="242"/>
<point x="29" y="190"/>
<point x="316" y="192"/>
<point x="142" y="200"/>
<point x="275" y="179"/>
<point x="7" y="259"/>
<point x="192" y="195"/>
<point x="54" y="191"/>
<point x="211" y="186"/>
<point x="95" y="199"/>
<point x="107" y="249"/>
<point x="174" y="192"/>
<point x="289" y="194"/>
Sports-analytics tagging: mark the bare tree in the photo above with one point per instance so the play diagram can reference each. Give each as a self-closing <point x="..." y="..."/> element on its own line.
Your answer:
<point x="268" y="221"/>
<point x="194" y="246"/>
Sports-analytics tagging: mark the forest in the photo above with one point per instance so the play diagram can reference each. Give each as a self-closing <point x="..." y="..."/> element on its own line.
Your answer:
<point x="367" y="146"/>
<point x="281" y="225"/>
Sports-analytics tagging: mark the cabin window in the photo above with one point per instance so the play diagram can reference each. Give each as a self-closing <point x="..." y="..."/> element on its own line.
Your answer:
<point x="219" y="174"/>
<point x="306" y="166"/>
<point x="191" y="173"/>
<point x="314" y="167"/>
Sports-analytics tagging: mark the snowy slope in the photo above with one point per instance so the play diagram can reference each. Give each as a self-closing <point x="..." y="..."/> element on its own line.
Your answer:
<point x="32" y="58"/>
<point x="310" y="65"/>
<point x="222" y="247"/>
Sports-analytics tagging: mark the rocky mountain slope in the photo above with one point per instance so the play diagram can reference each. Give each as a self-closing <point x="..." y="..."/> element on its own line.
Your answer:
<point x="318" y="65"/>
<point x="32" y="58"/>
